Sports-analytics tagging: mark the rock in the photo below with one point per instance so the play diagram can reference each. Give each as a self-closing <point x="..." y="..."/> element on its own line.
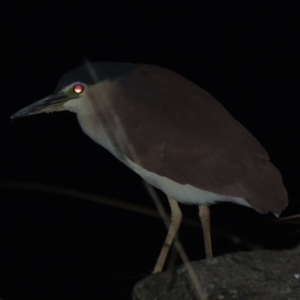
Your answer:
<point x="257" y="275"/>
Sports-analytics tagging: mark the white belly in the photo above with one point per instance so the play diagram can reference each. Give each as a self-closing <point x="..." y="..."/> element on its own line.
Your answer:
<point x="184" y="193"/>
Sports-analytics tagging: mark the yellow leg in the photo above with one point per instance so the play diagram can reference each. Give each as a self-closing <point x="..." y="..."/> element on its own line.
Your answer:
<point x="204" y="214"/>
<point x="176" y="217"/>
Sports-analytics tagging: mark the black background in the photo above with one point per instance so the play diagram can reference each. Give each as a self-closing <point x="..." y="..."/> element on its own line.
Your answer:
<point x="57" y="247"/>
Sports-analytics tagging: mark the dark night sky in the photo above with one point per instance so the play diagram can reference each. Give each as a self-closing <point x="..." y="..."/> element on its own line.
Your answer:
<point x="58" y="247"/>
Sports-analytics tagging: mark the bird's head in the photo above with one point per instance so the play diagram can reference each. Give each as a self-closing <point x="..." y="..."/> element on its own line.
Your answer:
<point x="68" y="98"/>
<point x="76" y="86"/>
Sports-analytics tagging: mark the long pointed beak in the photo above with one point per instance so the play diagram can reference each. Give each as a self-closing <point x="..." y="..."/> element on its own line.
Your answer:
<point x="50" y="103"/>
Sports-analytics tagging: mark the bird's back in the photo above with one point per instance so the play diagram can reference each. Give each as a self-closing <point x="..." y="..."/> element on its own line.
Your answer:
<point x="181" y="132"/>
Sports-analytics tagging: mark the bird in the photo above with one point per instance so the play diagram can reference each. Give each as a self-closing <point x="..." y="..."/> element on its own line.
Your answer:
<point x="172" y="133"/>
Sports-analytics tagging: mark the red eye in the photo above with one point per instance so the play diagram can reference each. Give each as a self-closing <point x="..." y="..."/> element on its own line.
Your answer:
<point x="78" y="88"/>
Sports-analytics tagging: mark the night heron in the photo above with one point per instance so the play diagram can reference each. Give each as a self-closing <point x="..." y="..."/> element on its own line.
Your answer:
<point x="172" y="133"/>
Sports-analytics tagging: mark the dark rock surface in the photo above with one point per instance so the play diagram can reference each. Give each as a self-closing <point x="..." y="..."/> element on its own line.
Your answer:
<point x="263" y="275"/>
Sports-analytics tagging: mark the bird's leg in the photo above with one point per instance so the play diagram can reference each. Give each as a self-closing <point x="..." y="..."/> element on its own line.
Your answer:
<point x="204" y="214"/>
<point x="176" y="217"/>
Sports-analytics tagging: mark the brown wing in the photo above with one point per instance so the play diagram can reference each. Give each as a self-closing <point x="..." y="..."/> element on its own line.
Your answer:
<point x="181" y="132"/>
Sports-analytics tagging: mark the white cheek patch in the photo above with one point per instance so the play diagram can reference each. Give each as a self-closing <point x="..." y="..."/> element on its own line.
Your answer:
<point x="73" y="105"/>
